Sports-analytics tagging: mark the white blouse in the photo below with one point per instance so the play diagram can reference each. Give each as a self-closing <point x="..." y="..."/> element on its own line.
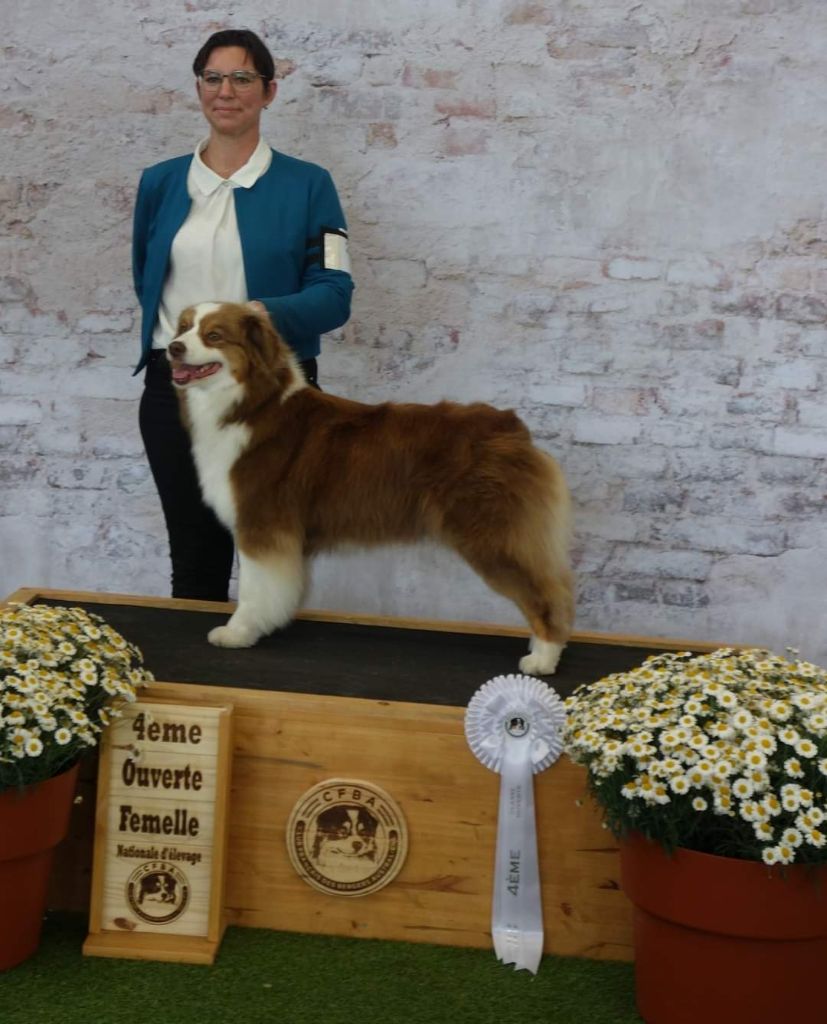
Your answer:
<point x="206" y="264"/>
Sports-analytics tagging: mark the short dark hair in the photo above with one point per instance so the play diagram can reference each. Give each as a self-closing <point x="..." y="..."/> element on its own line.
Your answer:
<point x="256" y="49"/>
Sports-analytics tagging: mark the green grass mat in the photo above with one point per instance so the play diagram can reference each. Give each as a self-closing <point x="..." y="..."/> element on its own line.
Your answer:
<point x="263" y="977"/>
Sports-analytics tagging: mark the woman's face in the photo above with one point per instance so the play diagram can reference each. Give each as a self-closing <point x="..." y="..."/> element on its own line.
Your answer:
<point x="229" y="110"/>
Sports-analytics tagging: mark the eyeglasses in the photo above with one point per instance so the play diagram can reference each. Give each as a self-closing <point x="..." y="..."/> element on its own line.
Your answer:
<point x="240" y="80"/>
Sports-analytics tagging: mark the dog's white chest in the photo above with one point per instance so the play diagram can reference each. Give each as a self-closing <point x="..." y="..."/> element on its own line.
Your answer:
<point x="215" y="450"/>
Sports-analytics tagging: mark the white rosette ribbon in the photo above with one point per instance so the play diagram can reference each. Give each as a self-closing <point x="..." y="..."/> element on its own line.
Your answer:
<point x="514" y="726"/>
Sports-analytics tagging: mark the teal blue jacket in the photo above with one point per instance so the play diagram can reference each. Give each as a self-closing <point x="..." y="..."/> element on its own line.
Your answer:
<point x="281" y="221"/>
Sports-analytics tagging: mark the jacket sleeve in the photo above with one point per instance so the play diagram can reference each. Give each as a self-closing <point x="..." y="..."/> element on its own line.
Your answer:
<point x="140" y="229"/>
<point x="322" y="302"/>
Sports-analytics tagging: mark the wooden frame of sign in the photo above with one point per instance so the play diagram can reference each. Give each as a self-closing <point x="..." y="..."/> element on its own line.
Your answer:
<point x="161" y="833"/>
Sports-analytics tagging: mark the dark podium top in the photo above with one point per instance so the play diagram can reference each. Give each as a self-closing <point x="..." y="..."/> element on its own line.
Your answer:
<point x="342" y="659"/>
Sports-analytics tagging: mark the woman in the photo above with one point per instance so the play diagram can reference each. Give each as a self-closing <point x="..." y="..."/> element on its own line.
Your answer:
<point x="236" y="221"/>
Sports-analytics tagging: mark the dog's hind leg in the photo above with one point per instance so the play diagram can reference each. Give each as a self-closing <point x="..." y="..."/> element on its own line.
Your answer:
<point x="549" y="609"/>
<point x="270" y="587"/>
<point x="530" y="566"/>
<point x="546" y="601"/>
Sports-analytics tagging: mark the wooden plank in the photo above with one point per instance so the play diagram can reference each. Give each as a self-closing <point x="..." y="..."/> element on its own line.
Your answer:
<point x="166" y="948"/>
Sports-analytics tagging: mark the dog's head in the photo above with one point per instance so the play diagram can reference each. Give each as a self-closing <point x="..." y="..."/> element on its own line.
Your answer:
<point x="158" y="887"/>
<point x="222" y="344"/>
<point x="345" y="832"/>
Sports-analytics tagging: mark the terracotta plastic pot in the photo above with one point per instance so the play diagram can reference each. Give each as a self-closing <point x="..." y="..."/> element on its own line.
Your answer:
<point x="725" y="941"/>
<point x="32" y="823"/>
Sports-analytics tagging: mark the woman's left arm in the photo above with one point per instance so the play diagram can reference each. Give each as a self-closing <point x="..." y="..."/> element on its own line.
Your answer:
<point x="323" y="302"/>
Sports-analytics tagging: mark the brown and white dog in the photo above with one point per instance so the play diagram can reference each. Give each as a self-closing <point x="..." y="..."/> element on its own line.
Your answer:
<point x="292" y="471"/>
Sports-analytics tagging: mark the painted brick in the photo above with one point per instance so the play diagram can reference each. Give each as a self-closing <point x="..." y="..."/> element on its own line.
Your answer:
<point x="802" y="309"/>
<point x="697" y="273"/>
<point x="553" y="393"/>
<point x="16" y="412"/>
<point x="466" y="108"/>
<point x="639" y="560"/>
<point x="606" y="430"/>
<point x="810" y="444"/>
<point x="628" y="269"/>
<point x="429" y="78"/>
<point x="382" y="135"/>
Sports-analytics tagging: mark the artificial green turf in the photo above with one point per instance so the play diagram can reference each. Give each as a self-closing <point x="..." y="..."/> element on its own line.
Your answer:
<point x="264" y="977"/>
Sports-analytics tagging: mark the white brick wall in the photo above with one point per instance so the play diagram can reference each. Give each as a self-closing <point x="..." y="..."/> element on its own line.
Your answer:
<point x="609" y="216"/>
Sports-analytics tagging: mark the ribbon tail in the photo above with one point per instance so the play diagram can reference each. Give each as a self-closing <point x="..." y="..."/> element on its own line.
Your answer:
<point x="531" y="917"/>
<point x="517" y="917"/>
<point x="499" y="931"/>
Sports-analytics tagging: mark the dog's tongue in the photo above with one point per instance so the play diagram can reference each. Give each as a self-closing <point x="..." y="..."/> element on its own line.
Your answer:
<point x="183" y="373"/>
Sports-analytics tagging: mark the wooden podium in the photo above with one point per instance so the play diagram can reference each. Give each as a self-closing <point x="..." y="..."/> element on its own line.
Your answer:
<point x="379" y="700"/>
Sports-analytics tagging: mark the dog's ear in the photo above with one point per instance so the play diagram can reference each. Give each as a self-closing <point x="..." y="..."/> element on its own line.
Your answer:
<point x="259" y="333"/>
<point x="267" y="347"/>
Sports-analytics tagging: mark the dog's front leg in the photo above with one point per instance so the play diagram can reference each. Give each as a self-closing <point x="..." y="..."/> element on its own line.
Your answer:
<point x="270" y="588"/>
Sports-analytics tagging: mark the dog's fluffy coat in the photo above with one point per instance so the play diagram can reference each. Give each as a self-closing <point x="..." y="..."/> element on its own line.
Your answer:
<point x="291" y="471"/>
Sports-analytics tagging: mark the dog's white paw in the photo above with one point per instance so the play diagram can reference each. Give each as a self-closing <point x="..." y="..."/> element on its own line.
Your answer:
<point x="231" y="636"/>
<point x="542" y="661"/>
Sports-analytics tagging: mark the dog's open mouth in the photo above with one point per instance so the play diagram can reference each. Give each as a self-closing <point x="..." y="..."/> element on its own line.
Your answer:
<point x="184" y="373"/>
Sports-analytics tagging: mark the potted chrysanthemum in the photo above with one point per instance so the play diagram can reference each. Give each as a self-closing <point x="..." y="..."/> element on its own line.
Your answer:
<point x="63" y="674"/>
<point x="711" y="770"/>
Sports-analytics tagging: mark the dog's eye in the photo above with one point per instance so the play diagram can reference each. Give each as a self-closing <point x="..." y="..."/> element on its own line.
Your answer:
<point x="213" y="336"/>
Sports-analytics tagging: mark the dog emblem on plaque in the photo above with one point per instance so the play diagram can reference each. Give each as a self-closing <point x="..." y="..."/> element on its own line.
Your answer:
<point x="157" y="892"/>
<point x="346" y="837"/>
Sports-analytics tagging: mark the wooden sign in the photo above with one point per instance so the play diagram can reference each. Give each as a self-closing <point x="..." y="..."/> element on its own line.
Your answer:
<point x="160" y="834"/>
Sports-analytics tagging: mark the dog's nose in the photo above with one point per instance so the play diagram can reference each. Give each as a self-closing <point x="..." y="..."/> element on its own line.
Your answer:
<point x="177" y="349"/>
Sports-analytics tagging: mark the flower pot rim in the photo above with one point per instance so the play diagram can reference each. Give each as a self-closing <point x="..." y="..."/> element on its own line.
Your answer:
<point x="724" y="895"/>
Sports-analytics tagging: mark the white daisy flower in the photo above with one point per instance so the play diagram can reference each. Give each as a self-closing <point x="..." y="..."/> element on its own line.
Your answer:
<point x="63" y="736"/>
<point x="759" y="779"/>
<point x="792" y="766"/>
<point x="789" y="736"/>
<point x="786" y="854"/>
<point x="34" y="747"/>
<point x="699" y="804"/>
<point x="792" y="837"/>
<point x="743" y="788"/>
<point x="806" y="748"/>
<point x="815" y="837"/>
<point x="772" y="805"/>
<point x="742" y="719"/>
<point x="755" y="759"/>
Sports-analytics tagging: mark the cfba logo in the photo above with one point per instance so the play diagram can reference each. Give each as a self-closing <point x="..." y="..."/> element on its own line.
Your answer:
<point x="158" y="892"/>
<point x="346" y="837"/>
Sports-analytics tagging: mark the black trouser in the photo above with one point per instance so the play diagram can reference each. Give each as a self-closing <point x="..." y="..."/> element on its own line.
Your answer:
<point x="201" y="549"/>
